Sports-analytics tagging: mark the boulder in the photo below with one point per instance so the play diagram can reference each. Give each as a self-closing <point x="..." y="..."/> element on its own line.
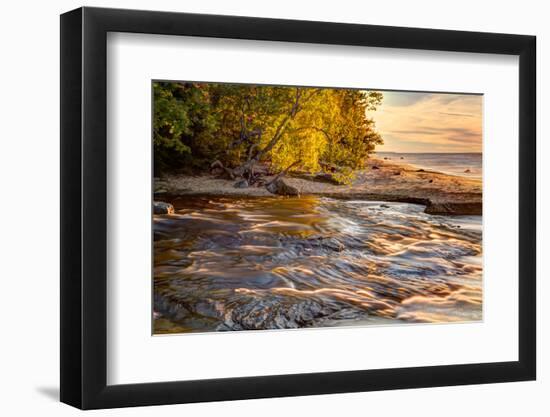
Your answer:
<point x="160" y="207"/>
<point x="280" y="187"/>
<point x="241" y="184"/>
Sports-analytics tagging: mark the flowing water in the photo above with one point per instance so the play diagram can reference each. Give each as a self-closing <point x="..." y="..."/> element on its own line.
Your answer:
<point x="229" y="263"/>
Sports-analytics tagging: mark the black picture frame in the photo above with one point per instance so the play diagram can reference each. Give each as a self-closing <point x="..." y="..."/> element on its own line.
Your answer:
<point x="84" y="207"/>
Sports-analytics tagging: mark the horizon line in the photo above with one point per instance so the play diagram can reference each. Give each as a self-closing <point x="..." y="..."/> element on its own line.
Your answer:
<point x="480" y="152"/>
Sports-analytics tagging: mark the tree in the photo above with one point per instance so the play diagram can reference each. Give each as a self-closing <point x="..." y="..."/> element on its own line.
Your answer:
<point x="236" y="128"/>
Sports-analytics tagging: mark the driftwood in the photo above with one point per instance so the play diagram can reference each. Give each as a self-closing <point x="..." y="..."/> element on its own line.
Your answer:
<point x="218" y="164"/>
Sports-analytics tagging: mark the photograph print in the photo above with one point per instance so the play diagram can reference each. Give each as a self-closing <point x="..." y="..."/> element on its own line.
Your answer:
<point x="294" y="207"/>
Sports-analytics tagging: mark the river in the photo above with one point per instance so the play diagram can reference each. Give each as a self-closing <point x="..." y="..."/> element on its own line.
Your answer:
<point x="231" y="263"/>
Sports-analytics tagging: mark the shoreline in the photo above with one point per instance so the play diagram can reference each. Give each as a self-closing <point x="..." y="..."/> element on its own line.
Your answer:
<point x="430" y="162"/>
<point x="381" y="180"/>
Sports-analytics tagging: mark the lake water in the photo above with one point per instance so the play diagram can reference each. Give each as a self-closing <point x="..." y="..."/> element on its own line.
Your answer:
<point x="225" y="264"/>
<point x="463" y="164"/>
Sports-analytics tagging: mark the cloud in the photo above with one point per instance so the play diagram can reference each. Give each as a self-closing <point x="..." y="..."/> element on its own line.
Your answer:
<point x="403" y="99"/>
<point x="457" y="114"/>
<point x="428" y="122"/>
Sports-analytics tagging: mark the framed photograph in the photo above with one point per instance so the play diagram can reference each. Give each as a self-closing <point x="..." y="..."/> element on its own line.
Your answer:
<point x="257" y="208"/>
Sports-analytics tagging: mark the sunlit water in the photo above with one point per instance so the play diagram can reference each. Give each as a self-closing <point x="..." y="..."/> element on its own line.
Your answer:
<point x="275" y="263"/>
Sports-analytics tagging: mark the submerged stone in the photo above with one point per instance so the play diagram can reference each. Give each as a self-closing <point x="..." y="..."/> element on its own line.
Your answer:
<point x="160" y="207"/>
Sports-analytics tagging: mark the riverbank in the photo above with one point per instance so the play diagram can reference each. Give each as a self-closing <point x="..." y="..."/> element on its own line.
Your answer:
<point x="382" y="180"/>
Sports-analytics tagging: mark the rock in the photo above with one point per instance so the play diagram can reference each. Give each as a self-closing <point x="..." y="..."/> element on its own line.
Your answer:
<point x="384" y="206"/>
<point x="280" y="187"/>
<point x="326" y="177"/>
<point x="241" y="184"/>
<point x="454" y="208"/>
<point x="401" y="158"/>
<point x="467" y="171"/>
<point x="326" y="243"/>
<point x="397" y="173"/>
<point x="431" y="181"/>
<point x="420" y="170"/>
<point x="375" y="167"/>
<point x="160" y="207"/>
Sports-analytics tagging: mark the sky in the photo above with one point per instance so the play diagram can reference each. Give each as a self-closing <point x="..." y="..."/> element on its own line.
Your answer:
<point x="429" y="122"/>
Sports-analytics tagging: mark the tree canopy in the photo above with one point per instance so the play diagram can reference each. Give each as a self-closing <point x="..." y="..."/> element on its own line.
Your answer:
<point x="237" y="127"/>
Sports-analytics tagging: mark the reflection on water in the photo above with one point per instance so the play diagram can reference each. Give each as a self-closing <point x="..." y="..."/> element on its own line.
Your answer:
<point x="279" y="263"/>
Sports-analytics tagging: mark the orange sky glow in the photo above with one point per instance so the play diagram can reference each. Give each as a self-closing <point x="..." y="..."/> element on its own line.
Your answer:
<point x="429" y="122"/>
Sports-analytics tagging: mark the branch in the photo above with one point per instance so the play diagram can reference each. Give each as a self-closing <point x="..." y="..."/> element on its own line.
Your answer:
<point x="280" y="129"/>
<point x="252" y="148"/>
<point x="318" y="129"/>
<point x="283" y="172"/>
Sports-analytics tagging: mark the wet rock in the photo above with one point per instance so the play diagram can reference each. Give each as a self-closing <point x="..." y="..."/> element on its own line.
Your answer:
<point x="160" y="207"/>
<point x="278" y="311"/>
<point x="280" y="187"/>
<point x="466" y="208"/>
<point x="241" y="184"/>
<point x="331" y="244"/>
<point x="321" y="242"/>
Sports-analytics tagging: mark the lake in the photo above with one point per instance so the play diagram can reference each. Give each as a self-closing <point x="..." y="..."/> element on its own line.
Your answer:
<point x="463" y="164"/>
